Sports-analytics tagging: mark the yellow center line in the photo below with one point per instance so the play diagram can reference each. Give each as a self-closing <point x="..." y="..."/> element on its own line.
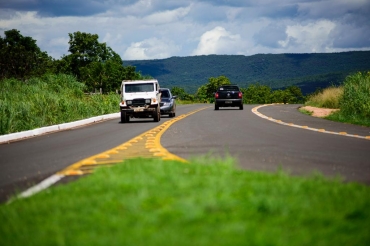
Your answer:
<point x="146" y="145"/>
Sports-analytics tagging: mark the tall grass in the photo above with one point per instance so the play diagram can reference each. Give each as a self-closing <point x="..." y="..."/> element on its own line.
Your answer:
<point x="328" y="98"/>
<point x="352" y="98"/>
<point x="355" y="102"/>
<point x="48" y="100"/>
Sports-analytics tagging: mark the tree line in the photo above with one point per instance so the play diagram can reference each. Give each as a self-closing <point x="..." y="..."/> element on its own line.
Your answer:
<point x="98" y="67"/>
<point x="93" y="63"/>
<point x="253" y="94"/>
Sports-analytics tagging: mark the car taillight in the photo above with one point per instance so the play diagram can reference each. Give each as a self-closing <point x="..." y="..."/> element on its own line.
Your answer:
<point x="216" y="95"/>
<point x="240" y="95"/>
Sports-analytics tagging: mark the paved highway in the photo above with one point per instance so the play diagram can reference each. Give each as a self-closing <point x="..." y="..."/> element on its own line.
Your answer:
<point x="256" y="143"/>
<point x="262" y="145"/>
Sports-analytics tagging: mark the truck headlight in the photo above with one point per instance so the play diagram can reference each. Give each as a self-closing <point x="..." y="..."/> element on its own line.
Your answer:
<point x="148" y="101"/>
<point x="129" y="102"/>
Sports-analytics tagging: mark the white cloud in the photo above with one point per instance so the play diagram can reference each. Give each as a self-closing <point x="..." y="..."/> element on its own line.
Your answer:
<point x="217" y="41"/>
<point x="154" y="29"/>
<point x="167" y="16"/>
<point x="312" y="37"/>
<point x="152" y="48"/>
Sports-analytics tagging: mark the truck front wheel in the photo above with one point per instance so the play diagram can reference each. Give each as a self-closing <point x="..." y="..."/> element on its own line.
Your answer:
<point x="157" y="115"/>
<point x="124" y="117"/>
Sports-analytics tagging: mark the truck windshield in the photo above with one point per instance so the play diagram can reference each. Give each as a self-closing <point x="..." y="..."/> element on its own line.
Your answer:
<point x="139" y="87"/>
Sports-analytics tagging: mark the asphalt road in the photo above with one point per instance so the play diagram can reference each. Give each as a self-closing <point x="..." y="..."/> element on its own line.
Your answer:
<point x="256" y="143"/>
<point x="27" y="162"/>
<point x="261" y="145"/>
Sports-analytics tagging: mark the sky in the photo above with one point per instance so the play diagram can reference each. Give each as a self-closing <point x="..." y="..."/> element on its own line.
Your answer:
<point x="158" y="29"/>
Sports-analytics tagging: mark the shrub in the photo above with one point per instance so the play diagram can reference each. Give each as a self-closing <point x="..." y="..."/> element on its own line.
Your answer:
<point x="327" y="98"/>
<point x="355" y="101"/>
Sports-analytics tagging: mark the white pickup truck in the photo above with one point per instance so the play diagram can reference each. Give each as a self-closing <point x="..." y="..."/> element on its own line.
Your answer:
<point x="140" y="99"/>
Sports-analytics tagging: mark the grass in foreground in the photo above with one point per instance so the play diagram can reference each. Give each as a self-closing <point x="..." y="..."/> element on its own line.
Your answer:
<point x="155" y="202"/>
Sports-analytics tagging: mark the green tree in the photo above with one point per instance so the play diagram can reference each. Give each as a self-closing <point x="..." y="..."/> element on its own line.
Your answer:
<point x="106" y="75"/>
<point x="278" y="96"/>
<point x="94" y="63"/>
<point x="178" y="91"/>
<point x="257" y="94"/>
<point x="85" y="49"/>
<point x="206" y="92"/>
<point x="294" y="94"/>
<point x="20" y="57"/>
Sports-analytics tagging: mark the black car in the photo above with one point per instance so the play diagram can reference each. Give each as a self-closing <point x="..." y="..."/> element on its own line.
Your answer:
<point x="228" y="96"/>
<point x="168" y="102"/>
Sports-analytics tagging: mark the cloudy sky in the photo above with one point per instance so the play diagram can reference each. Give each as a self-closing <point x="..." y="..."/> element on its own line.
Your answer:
<point x="156" y="29"/>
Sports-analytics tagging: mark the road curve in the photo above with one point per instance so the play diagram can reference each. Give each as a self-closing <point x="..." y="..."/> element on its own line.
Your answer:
<point x="27" y="162"/>
<point x="257" y="143"/>
<point x="263" y="145"/>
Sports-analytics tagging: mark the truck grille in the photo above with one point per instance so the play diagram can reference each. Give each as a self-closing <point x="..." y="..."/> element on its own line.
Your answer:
<point x="138" y="102"/>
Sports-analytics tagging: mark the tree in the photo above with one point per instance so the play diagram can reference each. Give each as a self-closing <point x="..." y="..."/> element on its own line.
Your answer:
<point x="257" y="94"/>
<point x="206" y="92"/>
<point x="85" y="49"/>
<point x="294" y="94"/>
<point x="181" y="94"/>
<point x="94" y="63"/>
<point x="107" y="76"/>
<point x="20" y="57"/>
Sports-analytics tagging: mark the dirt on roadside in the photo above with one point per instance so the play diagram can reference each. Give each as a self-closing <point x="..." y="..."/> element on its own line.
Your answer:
<point x="319" y="112"/>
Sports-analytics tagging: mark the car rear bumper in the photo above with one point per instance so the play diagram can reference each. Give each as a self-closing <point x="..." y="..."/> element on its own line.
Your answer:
<point x="228" y="102"/>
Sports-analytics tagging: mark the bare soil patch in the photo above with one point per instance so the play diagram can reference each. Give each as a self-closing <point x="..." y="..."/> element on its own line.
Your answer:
<point x="319" y="112"/>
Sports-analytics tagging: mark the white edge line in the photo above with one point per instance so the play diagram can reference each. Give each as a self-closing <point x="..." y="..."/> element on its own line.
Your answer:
<point x="255" y="111"/>
<point x="46" y="183"/>
<point x="48" y="129"/>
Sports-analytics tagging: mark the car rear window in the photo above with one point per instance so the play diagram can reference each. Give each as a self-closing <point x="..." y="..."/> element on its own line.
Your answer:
<point x="165" y="94"/>
<point x="229" y="88"/>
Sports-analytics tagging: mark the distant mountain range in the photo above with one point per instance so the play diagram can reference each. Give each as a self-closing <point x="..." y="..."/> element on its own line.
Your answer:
<point x="308" y="71"/>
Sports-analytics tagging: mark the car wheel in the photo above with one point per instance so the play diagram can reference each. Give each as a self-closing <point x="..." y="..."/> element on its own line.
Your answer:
<point x="241" y="107"/>
<point x="216" y="107"/>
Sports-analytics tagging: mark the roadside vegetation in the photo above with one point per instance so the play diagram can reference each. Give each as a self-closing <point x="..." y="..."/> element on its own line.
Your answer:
<point x="48" y="100"/>
<point x="204" y="202"/>
<point x="352" y="98"/>
<point x="34" y="92"/>
<point x="155" y="202"/>
<point x="327" y="98"/>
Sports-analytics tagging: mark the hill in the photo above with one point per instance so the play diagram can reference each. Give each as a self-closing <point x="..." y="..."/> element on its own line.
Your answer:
<point x="307" y="71"/>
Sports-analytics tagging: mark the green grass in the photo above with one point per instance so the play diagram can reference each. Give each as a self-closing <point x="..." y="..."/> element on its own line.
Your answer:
<point x="304" y="111"/>
<point x="206" y="202"/>
<point x="48" y="100"/>
<point x="352" y="98"/>
<point x="351" y="119"/>
<point x="355" y="102"/>
<point x="184" y="102"/>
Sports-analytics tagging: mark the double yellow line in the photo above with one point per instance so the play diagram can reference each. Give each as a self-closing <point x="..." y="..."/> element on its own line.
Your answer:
<point x="146" y="145"/>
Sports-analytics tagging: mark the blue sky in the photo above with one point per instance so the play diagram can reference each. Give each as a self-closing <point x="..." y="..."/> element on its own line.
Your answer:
<point x="156" y="29"/>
